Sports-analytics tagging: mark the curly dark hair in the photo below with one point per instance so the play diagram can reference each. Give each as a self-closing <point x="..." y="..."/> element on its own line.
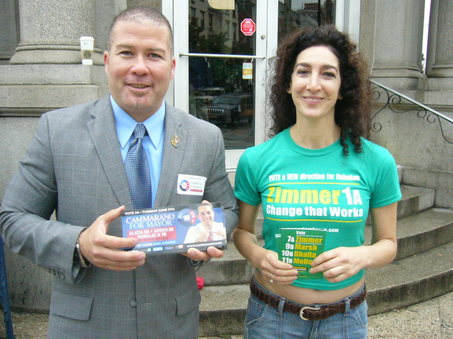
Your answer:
<point x="352" y="111"/>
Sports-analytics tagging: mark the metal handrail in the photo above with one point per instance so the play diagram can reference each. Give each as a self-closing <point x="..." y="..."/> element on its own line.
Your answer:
<point x="227" y="56"/>
<point x="395" y="98"/>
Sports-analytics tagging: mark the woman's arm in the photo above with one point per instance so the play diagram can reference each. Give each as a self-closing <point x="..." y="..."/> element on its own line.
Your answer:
<point x="264" y="260"/>
<point x="384" y="241"/>
<point x="343" y="262"/>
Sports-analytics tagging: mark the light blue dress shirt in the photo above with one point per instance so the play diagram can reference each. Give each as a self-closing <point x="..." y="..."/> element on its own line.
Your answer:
<point x="153" y="143"/>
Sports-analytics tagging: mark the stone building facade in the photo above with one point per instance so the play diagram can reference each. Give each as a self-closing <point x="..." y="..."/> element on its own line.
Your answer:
<point x="40" y="70"/>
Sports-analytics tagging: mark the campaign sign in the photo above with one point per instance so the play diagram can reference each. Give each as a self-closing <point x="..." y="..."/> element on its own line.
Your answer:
<point x="175" y="230"/>
<point x="298" y="247"/>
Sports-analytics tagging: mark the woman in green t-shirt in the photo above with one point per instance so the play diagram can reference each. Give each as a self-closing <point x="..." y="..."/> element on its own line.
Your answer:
<point x="320" y="177"/>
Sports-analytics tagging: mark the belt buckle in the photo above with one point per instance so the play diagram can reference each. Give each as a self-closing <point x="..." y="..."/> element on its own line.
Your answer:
<point x="301" y="312"/>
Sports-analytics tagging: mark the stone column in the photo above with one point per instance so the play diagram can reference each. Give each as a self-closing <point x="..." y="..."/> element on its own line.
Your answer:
<point x="50" y="31"/>
<point x="46" y="70"/>
<point x="440" y="44"/>
<point x="9" y="29"/>
<point x="398" y="42"/>
<point x="367" y="31"/>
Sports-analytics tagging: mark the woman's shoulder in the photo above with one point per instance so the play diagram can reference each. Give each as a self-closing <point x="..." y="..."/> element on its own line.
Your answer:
<point x="373" y="149"/>
<point x="376" y="156"/>
<point x="270" y="145"/>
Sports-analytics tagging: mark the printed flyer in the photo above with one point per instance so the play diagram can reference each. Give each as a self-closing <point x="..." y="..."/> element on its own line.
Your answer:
<point x="175" y="230"/>
<point x="298" y="247"/>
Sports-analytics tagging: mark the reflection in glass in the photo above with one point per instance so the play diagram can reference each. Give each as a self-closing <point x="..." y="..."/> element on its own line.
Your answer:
<point x="298" y="14"/>
<point x="219" y="94"/>
<point x="218" y="31"/>
<point x="217" y="91"/>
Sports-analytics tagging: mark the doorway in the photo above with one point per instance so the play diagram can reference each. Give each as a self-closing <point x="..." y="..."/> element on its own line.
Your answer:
<point x="224" y="51"/>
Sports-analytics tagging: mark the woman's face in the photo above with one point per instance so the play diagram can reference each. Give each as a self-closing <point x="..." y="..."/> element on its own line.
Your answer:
<point x="315" y="83"/>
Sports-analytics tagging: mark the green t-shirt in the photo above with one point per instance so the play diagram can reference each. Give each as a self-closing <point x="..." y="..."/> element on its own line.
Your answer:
<point x="319" y="189"/>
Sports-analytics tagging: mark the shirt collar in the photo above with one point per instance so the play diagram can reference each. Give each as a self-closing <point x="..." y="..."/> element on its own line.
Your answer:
<point x="125" y="124"/>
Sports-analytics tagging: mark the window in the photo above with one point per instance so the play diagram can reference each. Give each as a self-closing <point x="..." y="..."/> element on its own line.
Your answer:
<point x="202" y="20"/>
<point x="210" y="21"/>
<point x="297" y="14"/>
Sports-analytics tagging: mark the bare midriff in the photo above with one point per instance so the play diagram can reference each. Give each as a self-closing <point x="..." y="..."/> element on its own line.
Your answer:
<point x="306" y="295"/>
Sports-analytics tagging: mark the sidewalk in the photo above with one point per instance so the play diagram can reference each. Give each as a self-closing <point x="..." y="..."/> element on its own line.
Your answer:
<point x="432" y="319"/>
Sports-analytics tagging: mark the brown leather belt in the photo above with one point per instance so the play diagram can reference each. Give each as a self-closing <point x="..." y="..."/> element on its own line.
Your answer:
<point x="307" y="312"/>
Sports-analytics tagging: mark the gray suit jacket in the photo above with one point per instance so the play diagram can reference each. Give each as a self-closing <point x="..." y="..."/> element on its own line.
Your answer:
<point x="74" y="166"/>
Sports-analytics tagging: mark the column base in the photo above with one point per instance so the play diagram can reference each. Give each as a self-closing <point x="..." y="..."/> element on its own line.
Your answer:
<point x="440" y="84"/>
<point x="52" y="54"/>
<point x="397" y="78"/>
<point x="29" y="90"/>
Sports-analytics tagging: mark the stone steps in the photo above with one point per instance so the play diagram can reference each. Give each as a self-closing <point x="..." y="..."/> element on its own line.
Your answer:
<point x="411" y="280"/>
<point x="414" y="200"/>
<point x="421" y="271"/>
<point x="423" y="231"/>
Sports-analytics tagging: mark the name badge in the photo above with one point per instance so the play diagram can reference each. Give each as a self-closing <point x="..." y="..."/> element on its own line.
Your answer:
<point x="190" y="184"/>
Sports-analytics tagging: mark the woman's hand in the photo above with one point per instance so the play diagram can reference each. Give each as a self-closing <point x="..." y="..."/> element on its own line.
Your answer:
<point x="274" y="270"/>
<point x="265" y="261"/>
<point x="341" y="263"/>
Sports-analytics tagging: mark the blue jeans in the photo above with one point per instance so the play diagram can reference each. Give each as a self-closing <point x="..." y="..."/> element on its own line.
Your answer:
<point x="266" y="322"/>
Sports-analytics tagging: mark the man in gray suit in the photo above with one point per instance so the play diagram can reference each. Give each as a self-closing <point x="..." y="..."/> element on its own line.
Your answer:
<point x="75" y="167"/>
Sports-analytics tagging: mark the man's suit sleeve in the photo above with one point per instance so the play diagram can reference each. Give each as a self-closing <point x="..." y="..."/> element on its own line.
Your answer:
<point x="28" y="203"/>
<point x="218" y="187"/>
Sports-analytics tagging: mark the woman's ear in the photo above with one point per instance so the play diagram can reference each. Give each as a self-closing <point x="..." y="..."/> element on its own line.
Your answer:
<point x="288" y="90"/>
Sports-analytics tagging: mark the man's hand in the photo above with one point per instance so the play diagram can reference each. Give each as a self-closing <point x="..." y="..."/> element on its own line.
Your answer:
<point x="211" y="252"/>
<point x="107" y="251"/>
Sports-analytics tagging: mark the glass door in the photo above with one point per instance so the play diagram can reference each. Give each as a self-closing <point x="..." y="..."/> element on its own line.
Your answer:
<point x="220" y="67"/>
<point x="221" y="72"/>
<point x="224" y="51"/>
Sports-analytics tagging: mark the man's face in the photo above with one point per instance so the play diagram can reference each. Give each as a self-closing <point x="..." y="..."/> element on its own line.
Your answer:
<point x="139" y="66"/>
<point x="206" y="215"/>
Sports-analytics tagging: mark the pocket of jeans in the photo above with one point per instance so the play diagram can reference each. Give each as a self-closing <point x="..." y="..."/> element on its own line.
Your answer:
<point x="360" y="314"/>
<point x="255" y="310"/>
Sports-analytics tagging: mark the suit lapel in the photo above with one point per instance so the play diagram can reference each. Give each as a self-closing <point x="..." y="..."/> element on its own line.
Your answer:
<point x="175" y="143"/>
<point x="103" y="134"/>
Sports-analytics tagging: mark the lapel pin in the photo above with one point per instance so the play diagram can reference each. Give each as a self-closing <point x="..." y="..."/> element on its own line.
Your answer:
<point x="175" y="141"/>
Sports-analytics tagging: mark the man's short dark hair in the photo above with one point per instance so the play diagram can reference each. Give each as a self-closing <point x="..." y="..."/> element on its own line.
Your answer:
<point x="140" y="14"/>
